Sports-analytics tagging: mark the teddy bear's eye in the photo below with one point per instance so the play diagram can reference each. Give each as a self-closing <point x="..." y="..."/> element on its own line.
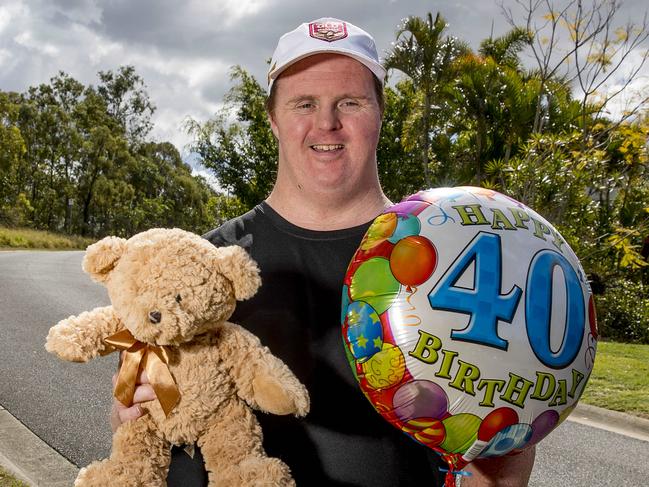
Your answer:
<point x="178" y="298"/>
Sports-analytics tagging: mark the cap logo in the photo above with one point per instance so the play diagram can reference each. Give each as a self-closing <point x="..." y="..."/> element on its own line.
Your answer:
<point x="328" y="31"/>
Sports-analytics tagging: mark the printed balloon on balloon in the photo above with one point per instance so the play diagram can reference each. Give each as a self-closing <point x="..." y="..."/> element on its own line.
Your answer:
<point x="468" y="322"/>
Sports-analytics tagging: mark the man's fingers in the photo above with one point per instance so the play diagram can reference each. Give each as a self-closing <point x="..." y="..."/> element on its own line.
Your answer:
<point x="120" y="414"/>
<point x="142" y="378"/>
<point x="129" y="414"/>
<point x="143" y="393"/>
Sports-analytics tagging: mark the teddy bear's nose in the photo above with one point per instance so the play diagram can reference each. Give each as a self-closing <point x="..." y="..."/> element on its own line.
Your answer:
<point x="155" y="317"/>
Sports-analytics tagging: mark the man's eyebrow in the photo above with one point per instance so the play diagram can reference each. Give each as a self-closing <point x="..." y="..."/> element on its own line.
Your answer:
<point x="299" y="98"/>
<point x="357" y="97"/>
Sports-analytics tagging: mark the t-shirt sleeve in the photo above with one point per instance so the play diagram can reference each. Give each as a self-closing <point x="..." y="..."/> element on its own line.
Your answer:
<point x="233" y="232"/>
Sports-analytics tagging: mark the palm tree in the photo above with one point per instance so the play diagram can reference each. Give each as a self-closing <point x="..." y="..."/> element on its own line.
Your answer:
<point x="425" y="55"/>
<point x="495" y="99"/>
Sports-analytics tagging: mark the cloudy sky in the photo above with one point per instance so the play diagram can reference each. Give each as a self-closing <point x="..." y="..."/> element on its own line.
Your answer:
<point x="183" y="49"/>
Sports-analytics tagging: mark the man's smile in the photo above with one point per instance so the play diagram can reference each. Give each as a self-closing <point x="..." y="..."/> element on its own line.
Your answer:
<point x="327" y="147"/>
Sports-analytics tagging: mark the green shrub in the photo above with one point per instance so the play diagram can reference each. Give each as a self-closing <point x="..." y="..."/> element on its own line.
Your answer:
<point x="623" y="312"/>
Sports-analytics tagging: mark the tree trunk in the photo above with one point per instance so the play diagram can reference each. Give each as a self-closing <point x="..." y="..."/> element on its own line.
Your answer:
<point x="86" y="205"/>
<point x="481" y="138"/>
<point x="425" y="160"/>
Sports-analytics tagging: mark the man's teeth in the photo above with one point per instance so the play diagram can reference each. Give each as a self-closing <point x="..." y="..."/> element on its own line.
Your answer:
<point x="326" y="148"/>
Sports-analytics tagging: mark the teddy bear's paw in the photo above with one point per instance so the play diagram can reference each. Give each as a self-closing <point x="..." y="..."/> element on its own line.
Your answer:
<point x="263" y="472"/>
<point x="94" y="475"/>
<point x="302" y="401"/>
<point x="62" y="341"/>
<point x="80" y="480"/>
<point x="278" y="398"/>
<point x="110" y="472"/>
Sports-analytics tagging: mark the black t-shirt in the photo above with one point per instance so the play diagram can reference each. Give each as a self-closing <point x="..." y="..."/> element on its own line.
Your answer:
<point x="297" y="313"/>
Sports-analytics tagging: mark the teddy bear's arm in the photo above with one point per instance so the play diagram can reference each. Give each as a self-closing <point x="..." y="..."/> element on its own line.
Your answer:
<point x="80" y="338"/>
<point x="263" y="380"/>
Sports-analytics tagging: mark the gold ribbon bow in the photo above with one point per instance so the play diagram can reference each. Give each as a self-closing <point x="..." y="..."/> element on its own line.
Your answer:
<point x="142" y="356"/>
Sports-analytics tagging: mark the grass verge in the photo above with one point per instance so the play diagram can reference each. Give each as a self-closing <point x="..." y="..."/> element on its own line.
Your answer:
<point x="620" y="379"/>
<point x="8" y="480"/>
<point x="24" y="238"/>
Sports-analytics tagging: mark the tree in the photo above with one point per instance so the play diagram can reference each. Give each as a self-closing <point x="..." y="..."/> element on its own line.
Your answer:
<point x="12" y="150"/>
<point x="52" y="140"/>
<point x="579" y="42"/>
<point x="75" y="159"/>
<point x="127" y="101"/>
<point x="242" y="153"/>
<point x="398" y="174"/>
<point x="494" y="99"/>
<point x="165" y="191"/>
<point x="103" y="192"/>
<point x="425" y="56"/>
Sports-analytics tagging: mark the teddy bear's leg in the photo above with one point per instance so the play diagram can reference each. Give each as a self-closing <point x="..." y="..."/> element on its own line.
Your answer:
<point x="233" y="452"/>
<point x="138" y="458"/>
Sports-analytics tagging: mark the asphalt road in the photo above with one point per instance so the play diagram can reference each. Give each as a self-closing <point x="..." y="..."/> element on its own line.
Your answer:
<point x="578" y="456"/>
<point x="64" y="403"/>
<point x="67" y="405"/>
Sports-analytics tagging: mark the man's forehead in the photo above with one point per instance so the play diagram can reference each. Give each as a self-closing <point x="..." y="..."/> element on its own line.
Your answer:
<point x="326" y="61"/>
<point x="326" y="66"/>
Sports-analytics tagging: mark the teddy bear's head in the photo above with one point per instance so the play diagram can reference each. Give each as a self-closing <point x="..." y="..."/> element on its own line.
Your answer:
<point x="168" y="285"/>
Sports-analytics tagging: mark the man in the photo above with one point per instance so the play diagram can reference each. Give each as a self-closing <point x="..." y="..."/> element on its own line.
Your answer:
<point x="325" y="107"/>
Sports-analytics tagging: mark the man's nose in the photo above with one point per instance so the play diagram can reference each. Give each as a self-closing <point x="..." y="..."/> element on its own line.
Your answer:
<point x="328" y="119"/>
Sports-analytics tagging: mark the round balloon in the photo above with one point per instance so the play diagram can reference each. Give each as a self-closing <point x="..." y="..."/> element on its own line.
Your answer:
<point x="364" y="331"/>
<point x="413" y="248"/>
<point x="487" y="331"/>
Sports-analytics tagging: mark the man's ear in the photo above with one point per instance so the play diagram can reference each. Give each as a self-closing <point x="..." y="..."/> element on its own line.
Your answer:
<point x="273" y="125"/>
<point x="239" y="268"/>
<point x="101" y="257"/>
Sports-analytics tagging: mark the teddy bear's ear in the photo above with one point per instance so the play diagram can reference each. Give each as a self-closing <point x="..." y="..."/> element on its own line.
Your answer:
<point x="240" y="269"/>
<point x="102" y="256"/>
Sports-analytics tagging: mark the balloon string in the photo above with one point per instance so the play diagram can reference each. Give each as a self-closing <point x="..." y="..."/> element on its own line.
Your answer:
<point x="449" y="478"/>
<point x="417" y="318"/>
<point x="455" y="465"/>
<point x="412" y="308"/>
<point x="411" y="293"/>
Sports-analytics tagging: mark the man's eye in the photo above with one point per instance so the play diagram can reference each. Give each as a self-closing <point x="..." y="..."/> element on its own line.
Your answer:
<point x="178" y="298"/>
<point x="305" y="106"/>
<point x="348" y="105"/>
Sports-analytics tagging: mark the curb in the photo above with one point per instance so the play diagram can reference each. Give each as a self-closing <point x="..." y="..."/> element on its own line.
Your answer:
<point x="614" y="421"/>
<point x="29" y="458"/>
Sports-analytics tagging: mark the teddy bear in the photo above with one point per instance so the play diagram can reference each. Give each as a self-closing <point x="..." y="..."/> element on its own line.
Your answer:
<point x="171" y="295"/>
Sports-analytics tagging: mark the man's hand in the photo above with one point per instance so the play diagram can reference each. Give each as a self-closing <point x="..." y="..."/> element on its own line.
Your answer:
<point x="143" y="392"/>
<point x="505" y="471"/>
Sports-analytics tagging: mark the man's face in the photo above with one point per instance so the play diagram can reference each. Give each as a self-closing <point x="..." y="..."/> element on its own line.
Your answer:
<point x="327" y="120"/>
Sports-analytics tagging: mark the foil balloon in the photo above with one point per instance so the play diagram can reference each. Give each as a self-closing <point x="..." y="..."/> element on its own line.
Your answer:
<point x="468" y="323"/>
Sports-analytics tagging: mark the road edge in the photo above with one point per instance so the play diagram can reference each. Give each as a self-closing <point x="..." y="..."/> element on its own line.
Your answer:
<point x="613" y="421"/>
<point x="29" y="458"/>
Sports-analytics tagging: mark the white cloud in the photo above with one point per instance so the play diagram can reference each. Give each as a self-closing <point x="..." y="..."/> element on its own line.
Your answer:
<point x="5" y="58"/>
<point x="84" y="12"/>
<point x="238" y="9"/>
<point x="26" y="39"/>
<point x="9" y="12"/>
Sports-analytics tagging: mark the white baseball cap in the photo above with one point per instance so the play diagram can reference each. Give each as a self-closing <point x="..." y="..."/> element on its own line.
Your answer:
<point x="325" y="35"/>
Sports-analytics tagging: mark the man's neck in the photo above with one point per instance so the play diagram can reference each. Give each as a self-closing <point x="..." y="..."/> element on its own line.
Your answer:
<point x="329" y="212"/>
